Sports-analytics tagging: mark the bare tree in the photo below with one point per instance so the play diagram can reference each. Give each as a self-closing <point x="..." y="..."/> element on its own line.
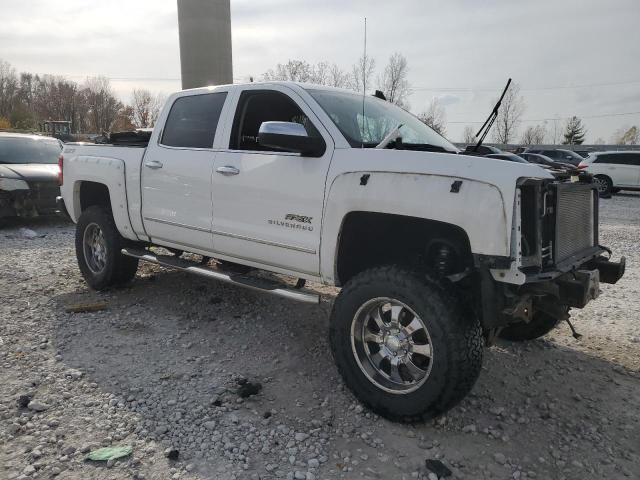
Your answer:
<point x="293" y="70"/>
<point x="362" y="74"/>
<point x="321" y="73"/>
<point x="336" y="77"/>
<point x="627" y="136"/>
<point x="469" y="134"/>
<point x="509" y="115"/>
<point x="435" y="117"/>
<point x="103" y="105"/>
<point x="123" y="121"/>
<point x="8" y="88"/>
<point x="533" y="135"/>
<point x="393" y="81"/>
<point x="555" y="131"/>
<point x="146" y="107"/>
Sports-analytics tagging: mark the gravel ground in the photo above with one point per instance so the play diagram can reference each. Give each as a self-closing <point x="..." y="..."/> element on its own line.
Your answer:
<point x="172" y="360"/>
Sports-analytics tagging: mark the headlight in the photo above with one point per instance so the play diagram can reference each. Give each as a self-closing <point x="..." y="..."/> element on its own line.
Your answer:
<point x="11" y="184"/>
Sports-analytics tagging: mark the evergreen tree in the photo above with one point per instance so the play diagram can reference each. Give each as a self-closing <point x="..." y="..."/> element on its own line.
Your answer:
<point x="574" y="132"/>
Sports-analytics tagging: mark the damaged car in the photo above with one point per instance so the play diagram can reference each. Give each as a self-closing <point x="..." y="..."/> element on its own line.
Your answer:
<point x="29" y="175"/>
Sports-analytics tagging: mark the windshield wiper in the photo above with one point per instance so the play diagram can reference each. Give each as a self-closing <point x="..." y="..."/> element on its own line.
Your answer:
<point x="392" y="136"/>
<point x="486" y="126"/>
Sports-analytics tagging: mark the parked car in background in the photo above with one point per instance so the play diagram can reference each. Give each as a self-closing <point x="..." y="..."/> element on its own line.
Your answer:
<point x="558" y="155"/>
<point x="510" y="157"/>
<point x="544" y="160"/>
<point x="481" y="150"/>
<point x="28" y="174"/>
<point x="583" y="153"/>
<point x="613" y="171"/>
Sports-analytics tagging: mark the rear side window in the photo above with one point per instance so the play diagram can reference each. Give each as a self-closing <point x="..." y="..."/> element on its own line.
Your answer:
<point x="192" y="121"/>
<point x="619" y="158"/>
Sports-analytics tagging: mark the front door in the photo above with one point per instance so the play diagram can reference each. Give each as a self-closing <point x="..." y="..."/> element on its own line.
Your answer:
<point x="268" y="204"/>
<point x="176" y="174"/>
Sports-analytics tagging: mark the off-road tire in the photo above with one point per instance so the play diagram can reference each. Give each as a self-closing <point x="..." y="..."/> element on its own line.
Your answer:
<point x="541" y="324"/>
<point x="605" y="185"/>
<point x="119" y="269"/>
<point x="456" y="341"/>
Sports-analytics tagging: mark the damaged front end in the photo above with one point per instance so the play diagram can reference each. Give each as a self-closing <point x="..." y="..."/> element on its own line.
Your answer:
<point x="557" y="262"/>
<point x="19" y="198"/>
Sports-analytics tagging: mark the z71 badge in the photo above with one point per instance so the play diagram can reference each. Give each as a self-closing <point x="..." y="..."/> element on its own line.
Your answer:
<point x="296" y="222"/>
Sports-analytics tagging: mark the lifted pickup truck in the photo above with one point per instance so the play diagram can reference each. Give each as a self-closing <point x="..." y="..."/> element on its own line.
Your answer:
<point x="437" y="253"/>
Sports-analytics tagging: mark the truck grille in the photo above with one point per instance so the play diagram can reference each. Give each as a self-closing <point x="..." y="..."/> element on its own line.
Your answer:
<point x="576" y="223"/>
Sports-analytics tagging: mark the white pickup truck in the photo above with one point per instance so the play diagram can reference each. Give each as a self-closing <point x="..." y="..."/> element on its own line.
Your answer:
<point x="436" y="253"/>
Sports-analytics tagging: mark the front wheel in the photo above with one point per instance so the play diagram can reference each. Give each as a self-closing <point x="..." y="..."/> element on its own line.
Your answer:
<point x="402" y="344"/>
<point x="98" y="245"/>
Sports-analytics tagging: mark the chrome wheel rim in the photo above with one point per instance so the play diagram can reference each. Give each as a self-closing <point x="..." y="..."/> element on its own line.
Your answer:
<point x="601" y="185"/>
<point x="95" y="248"/>
<point x="391" y="345"/>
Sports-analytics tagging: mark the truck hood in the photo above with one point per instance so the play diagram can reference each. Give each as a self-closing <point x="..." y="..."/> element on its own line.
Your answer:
<point x="502" y="173"/>
<point x="30" y="172"/>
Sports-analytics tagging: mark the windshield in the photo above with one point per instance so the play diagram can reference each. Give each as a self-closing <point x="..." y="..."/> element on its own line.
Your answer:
<point x="380" y="119"/>
<point x="29" y="150"/>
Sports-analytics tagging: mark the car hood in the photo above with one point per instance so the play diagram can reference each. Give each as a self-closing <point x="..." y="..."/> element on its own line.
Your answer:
<point x="30" y="172"/>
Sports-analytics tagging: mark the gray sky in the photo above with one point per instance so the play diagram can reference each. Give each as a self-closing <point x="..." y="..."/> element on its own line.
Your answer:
<point x="569" y="56"/>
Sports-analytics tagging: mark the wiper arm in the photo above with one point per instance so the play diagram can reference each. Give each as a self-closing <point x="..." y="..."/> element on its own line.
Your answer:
<point x="486" y="126"/>
<point x="392" y="136"/>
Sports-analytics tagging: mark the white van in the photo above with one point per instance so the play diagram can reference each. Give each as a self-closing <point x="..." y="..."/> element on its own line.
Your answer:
<point x="614" y="171"/>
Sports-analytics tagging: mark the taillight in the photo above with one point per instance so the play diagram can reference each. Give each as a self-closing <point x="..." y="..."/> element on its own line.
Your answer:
<point x="582" y="166"/>
<point x="60" y="170"/>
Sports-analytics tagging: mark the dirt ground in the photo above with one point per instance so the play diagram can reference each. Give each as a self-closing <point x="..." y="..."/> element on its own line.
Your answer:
<point x="161" y="365"/>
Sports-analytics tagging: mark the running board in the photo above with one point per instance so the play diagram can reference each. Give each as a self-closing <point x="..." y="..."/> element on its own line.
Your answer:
<point x="259" y="284"/>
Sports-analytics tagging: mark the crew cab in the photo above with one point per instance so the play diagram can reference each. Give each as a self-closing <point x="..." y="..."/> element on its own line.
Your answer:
<point x="435" y="253"/>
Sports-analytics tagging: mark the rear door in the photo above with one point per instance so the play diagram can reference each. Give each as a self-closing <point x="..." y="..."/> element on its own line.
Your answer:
<point x="176" y="173"/>
<point x="635" y="163"/>
<point x="622" y="168"/>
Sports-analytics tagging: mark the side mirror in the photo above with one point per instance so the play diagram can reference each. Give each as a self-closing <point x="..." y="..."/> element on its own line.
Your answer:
<point x="290" y="137"/>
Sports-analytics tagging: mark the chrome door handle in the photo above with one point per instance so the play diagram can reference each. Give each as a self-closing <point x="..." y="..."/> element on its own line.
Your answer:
<point x="153" y="164"/>
<point x="228" y="170"/>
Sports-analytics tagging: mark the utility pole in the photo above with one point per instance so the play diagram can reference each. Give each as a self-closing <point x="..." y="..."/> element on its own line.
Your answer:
<point x="205" y="42"/>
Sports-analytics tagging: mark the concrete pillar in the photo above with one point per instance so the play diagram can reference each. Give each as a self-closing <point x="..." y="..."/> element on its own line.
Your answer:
<point x="205" y="42"/>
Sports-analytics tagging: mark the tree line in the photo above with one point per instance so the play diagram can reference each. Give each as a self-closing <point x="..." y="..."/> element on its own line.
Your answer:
<point x="27" y="100"/>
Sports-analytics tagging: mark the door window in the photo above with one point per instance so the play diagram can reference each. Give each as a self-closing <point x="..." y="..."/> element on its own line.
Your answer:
<point x="257" y="106"/>
<point x="192" y="121"/>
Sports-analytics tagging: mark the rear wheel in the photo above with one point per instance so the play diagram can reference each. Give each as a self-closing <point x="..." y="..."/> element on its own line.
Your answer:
<point x="402" y="344"/>
<point x="541" y="324"/>
<point x="604" y="184"/>
<point x="98" y="245"/>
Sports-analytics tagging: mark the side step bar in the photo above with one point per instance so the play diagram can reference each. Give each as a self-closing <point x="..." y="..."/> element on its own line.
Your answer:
<point x="259" y="284"/>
